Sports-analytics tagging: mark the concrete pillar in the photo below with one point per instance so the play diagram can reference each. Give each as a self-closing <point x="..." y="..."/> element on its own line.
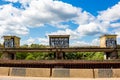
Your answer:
<point x="111" y="55"/>
<point x="5" y="56"/>
<point x="8" y="56"/>
<point x="59" y="55"/>
<point x="105" y="57"/>
<point x="114" y="55"/>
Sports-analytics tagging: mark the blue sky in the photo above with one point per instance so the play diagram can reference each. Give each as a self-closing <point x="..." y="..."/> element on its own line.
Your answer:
<point x="85" y="21"/>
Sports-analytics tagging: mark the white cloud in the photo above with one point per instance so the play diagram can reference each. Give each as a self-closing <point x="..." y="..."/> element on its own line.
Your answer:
<point x="90" y="29"/>
<point x="118" y="40"/>
<point x="37" y="40"/>
<point x="95" y="42"/>
<point x="30" y="41"/>
<point x="73" y="34"/>
<point x="1" y="40"/>
<point x="84" y="18"/>
<point x="37" y="13"/>
<point x="80" y="43"/>
<point x="61" y="26"/>
<point x="44" y="41"/>
<point x="42" y="12"/>
<point x="111" y="14"/>
<point x="115" y="25"/>
<point x="110" y="19"/>
<point x="10" y="22"/>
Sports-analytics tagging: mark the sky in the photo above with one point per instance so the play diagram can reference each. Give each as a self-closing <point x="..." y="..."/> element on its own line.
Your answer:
<point x="84" y="20"/>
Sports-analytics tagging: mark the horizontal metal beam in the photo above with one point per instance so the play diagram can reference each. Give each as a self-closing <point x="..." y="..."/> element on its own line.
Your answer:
<point x="58" y="49"/>
<point x="60" y="63"/>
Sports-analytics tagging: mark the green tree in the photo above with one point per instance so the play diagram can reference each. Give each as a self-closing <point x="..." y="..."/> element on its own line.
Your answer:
<point x="30" y="57"/>
<point x="34" y="55"/>
<point x="21" y="56"/>
<point x="50" y="56"/>
<point x="24" y="46"/>
<point x="85" y="56"/>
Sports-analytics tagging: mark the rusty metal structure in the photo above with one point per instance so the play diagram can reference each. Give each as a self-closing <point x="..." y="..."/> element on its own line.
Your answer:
<point x="61" y="64"/>
<point x="59" y="44"/>
<point x="78" y="49"/>
<point x="59" y="41"/>
<point x="10" y="42"/>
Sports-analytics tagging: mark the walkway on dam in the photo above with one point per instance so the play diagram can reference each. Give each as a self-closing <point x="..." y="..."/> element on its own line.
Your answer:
<point x="39" y="78"/>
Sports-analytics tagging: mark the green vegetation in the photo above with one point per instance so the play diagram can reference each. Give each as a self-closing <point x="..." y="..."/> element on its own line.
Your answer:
<point x="85" y="56"/>
<point x="35" y="56"/>
<point x="50" y="56"/>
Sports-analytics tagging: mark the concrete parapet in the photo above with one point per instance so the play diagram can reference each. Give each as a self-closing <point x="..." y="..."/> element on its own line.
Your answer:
<point x="4" y="71"/>
<point x="82" y="73"/>
<point x="38" y="72"/>
<point x="60" y="72"/>
<point x="103" y="73"/>
<point x="17" y="71"/>
<point x="116" y="73"/>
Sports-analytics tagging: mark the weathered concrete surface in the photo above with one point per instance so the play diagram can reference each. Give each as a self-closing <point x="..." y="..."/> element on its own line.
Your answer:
<point x="60" y="72"/>
<point x="4" y="71"/>
<point x="116" y="73"/>
<point x="38" y="72"/>
<point x="103" y="73"/>
<point x="81" y="73"/>
<point x="41" y="78"/>
<point x="17" y="71"/>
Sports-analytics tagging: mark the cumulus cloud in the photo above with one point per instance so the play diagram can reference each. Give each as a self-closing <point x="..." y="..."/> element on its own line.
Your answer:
<point x="111" y="14"/>
<point x="111" y="17"/>
<point x="10" y="22"/>
<point x="73" y="33"/>
<point x="42" y="12"/>
<point x="37" y="40"/>
<point x="37" y="13"/>
<point x="44" y="41"/>
<point x="102" y="23"/>
<point x="30" y="41"/>
<point x="115" y="25"/>
<point x="89" y="29"/>
<point x="84" y="18"/>
<point x="81" y="43"/>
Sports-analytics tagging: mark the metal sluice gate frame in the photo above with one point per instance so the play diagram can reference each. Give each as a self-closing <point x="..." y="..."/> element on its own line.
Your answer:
<point x="60" y="63"/>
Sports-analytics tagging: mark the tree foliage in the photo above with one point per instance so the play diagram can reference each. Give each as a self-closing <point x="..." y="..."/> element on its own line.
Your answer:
<point x="85" y="56"/>
<point x="50" y="56"/>
<point x="34" y="55"/>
